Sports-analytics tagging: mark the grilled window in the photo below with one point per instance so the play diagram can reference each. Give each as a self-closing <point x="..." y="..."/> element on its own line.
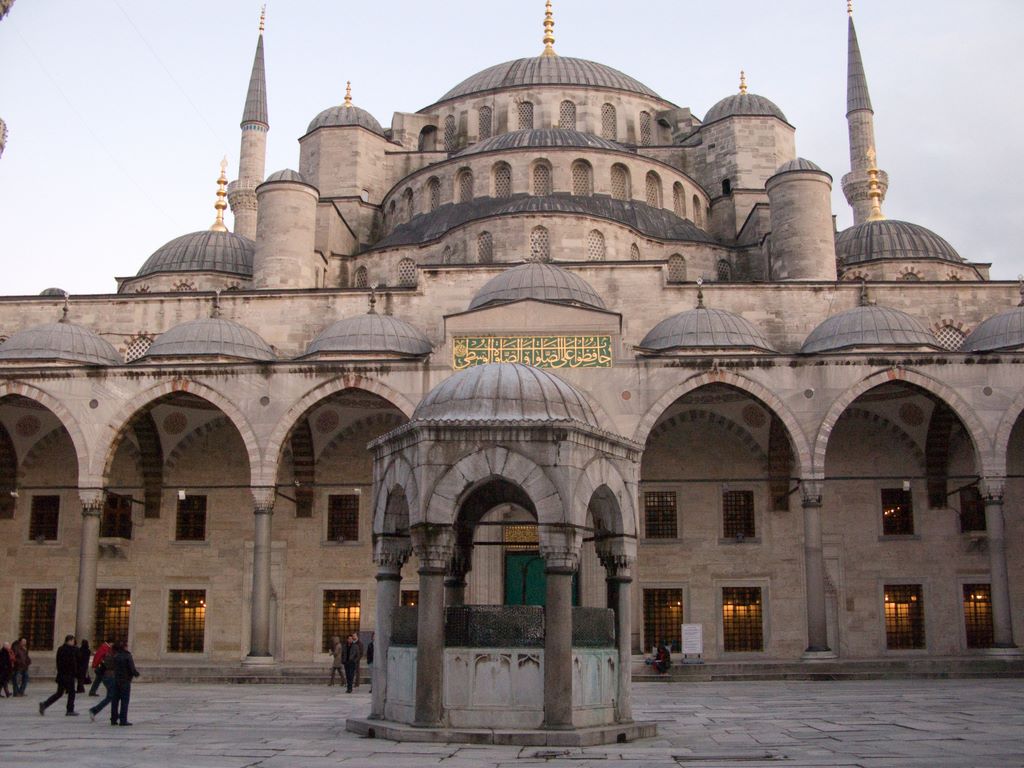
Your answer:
<point x="582" y="179"/>
<point x="679" y="200"/>
<point x="502" y="180"/>
<point x="653" y="189"/>
<point x="676" y="268"/>
<point x="620" y="182"/>
<point x="343" y="517"/>
<point x="465" y="186"/>
<point x="742" y="619"/>
<point x="190" y="524"/>
<point x="434" y="193"/>
<point x="567" y="115"/>
<point x="484" y="118"/>
<point x="609" y="122"/>
<point x="660" y="514"/>
<point x="663" y="618"/>
<point x="341" y="615"/>
<point x="525" y="115"/>
<point x="410" y="597"/>
<point x="698" y="214"/>
<point x="362" y="278"/>
<point x="116" y="521"/>
<point x="645" y="129"/>
<point x="950" y="337"/>
<point x="38" y="614"/>
<point x="449" y="134"/>
<point x="738" y="515"/>
<point x="634" y="252"/>
<point x="542" y="179"/>
<point x="113" y="613"/>
<point x="186" y="620"/>
<point x="897" y="512"/>
<point x="972" y="510"/>
<point x="904" y="616"/>
<point x="447" y="256"/>
<point x="137" y="346"/>
<point x="485" y="248"/>
<point x="978" y="615"/>
<point x="724" y="271"/>
<point x="44" y="519"/>
<point x="595" y="246"/>
<point x="540" y="245"/>
<point x="407" y="273"/>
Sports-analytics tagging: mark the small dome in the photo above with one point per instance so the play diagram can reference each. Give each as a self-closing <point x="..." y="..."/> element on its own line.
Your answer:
<point x="210" y="337"/>
<point x="343" y="115"/>
<point x="53" y="292"/>
<point x="544" y="282"/>
<point x="504" y="392"/>
<point x="204" y="251"/>
<point x="704" y="328"/>
<point x="891" y="239"/>
<point x="1004" y="331"/>
<point x="370" y="333"/>
<point x="60" y="341"/>
<point x="549" y="137"/>
<point x="743" y="105"/>
<point x="799" y="164"/>
<point x="286" y="174"/>
<point x="871" y="327"/>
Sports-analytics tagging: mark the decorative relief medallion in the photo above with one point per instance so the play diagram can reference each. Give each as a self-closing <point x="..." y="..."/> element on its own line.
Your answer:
<point x="27" y="426"/>
<point x="911" y="414"/>
<point x="537" y="351"/>
<point x="174" y="423"/>
<point x="327" y="421"/>
<point x="754" y="416"/>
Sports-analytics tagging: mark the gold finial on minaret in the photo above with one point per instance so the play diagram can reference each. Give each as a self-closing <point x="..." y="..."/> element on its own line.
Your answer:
<point x="849" y="7"/>
<point x="222" y="193"/>
<point x="743" y="82"/>
<point x="549" y="31"/>
<point x="874" y="188"/>
<point x="263" y="18"/>
<point x="348" y="93"/>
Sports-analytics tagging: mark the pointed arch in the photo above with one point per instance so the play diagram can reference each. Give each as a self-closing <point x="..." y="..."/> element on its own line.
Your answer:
<point x="63" y="414"/>
<point x="996" y="465"/>
<point x="397" y="474"/>
<point x="601" y="472"/>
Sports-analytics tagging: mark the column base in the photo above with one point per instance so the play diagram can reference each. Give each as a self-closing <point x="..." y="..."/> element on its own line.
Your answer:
<point x="259" y="661"/>
<point x="573" y="737"/>
<point x="811" y="655"/>
<point x="1004" y="652"/>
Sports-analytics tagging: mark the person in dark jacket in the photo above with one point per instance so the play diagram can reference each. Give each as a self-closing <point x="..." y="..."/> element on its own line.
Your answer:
<point x="22" y="661"/>
<point x="84" y="654"/>
<point x="350" y="655"/>
<point x="124" y="672"/>
<point x="6" y="669"/>
<point x="67" y="674"/>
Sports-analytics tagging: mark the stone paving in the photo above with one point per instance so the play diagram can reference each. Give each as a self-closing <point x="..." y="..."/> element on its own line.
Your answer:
<point x="863" y="723"/>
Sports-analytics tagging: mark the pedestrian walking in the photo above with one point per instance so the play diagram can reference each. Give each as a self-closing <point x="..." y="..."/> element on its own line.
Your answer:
<point x="67" y="673"/>
<point x="97" y="660"/>
<point x="82" y="674"/>
<point x="6" y="669"/>
<point x="124" y="672"/>
<point x="22" y="661"/>
<point x="337" y="662"/>
<point x="351" y="654"/>
<point x="104" y="673"/>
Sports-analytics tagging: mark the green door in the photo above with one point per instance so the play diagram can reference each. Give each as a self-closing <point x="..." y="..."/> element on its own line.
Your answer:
<point x="525" y="583"/>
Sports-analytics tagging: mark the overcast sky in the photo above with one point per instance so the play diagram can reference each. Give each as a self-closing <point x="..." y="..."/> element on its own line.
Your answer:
<point x="119" y="111"/>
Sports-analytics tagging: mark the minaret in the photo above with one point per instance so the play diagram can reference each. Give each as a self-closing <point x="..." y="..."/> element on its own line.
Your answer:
<point x="253" y="156"/>
<point x="865" y="185"/>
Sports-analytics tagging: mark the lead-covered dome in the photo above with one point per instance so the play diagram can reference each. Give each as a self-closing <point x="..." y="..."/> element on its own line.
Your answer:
<point x="799" y="164"/>
<point x="210" y="337"/>
<point x="1004" y="331"/>
<point x="544" y="282"/>
<point x="204" y="251"/>
<point x="286" y="174"/>
<point x="538" y="137"/>
<point x="370" y="334"/>
<point x="744" y="105"/>
<point x="891" y="239"/>
<point x="504" y="392"/>
<point x="703" y="329"/>
<point x="547" y="70"/>
<point x="345" y="115"/>
<point x="869" y="327"/>
<point x="63" y="342"/>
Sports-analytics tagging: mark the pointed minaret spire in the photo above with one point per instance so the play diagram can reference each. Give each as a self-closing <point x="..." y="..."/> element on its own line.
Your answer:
<point x="549" y="31"/>
<point x="865" y="185"/>
<point x="253" y="156"/>
<point x="222" y="192"/>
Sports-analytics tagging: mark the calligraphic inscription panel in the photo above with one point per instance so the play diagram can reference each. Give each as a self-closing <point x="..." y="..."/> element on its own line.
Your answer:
<point x="538" y="351"/>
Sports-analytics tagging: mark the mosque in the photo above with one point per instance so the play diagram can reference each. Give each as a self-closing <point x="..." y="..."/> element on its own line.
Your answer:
<point x="553" y="343"/>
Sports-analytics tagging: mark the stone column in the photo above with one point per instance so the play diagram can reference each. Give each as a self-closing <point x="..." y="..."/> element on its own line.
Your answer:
<point x="259" y="640"/>
<point x="455" y="579"/>
<point x="390" y="553"/>
<point x="617" y="556"/>
<point x="561" y="559"/>
<point x="88" y="558"/>
<point x="1002" y="627"/>
<point x="814" y="571"/>
<point x="433" y="545"/>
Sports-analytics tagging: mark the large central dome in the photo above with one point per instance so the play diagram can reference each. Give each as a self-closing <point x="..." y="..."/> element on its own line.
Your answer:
<point x="547" y="70"/>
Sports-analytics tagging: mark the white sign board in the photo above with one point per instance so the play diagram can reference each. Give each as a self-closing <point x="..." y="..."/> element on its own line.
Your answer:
<point x="693" y="639"/>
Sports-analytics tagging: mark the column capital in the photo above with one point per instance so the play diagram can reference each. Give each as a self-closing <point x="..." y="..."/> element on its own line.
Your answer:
<point x="560" y="558"/>
<point x="992" y="488"/>
<point x="92" y="501"/>
<point x="460" y="563"/>
<point x="617" y="554"/>
<point x="391" y="552"/>
<point x="811" y="492"/>
<point x="263" y="499"/>
<point x="434" y="545"/>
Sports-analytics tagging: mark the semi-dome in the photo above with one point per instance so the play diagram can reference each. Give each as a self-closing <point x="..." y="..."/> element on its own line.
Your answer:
<point x="370" y="334"/>
<point x="798" y="164"/>
<point x="536" y="280"/>
<point x="345" y="115"/>
<point x="210" y="337"/>
<point x="869" y="327"/>
<point x="537" y="137"/>
<point x="504" y="392"/>
<point x="205" y="251"/>
<point x="286" y="174"/>
<point x="52" y="292"/>
<point x="63" y="342"/>
<point x="1004" y="331"/>
<point x="702" y="329"/>
<point x="743" y="105"/>
<point x="547" y="70"/>
<point x="891" y="239"/>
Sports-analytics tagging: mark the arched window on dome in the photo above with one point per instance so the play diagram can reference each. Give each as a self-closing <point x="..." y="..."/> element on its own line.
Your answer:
<point x="724" y="271"/>
<point x="910" y="276"/>
<point x="620" y="182"/>
<point x="502" y="180"/>
<point x="407" y="273"/>
<point x="540" y="244"/>
<point x="646" y="131"/>
<point x="433" y="193"/>
<point x="653" y="189"/>
<point x="137" y="346"/>
<point x="361" y="279"/>
<point x="582" y="179"/>
<point x="450" y="136"/>
<point x="634" y="252"/>
<point x="407" y="204"/>
<point x="950" y="337"/>
<point x="484" y="121"/>
<point x="609" y="122"/>
<point x="525" y="110"/>
<point x="679" y="200"/>
<point x="698" y="216"/>
<point x="542" y="178"/>
<point x="184" y="286"/>
<point x="595" y="246"/>
<point x="447" y="256"/>
<point x="676" y="268"/>
<point x="464" y="185"/>
<point x="392" y="215"/>
<point x="567" y="115"/>
<point x="485" y="248"/>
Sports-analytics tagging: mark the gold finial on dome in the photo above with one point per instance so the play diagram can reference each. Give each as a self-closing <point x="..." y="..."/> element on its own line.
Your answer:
<point x="263" y="18"/>
<point x="849" y="7"/>
<point x="549" y="31"/>
<point x="348" y="93"/>
<point x="743" y="82"/>
<point x="874" y="188"/>
<point x="222" y="193"/>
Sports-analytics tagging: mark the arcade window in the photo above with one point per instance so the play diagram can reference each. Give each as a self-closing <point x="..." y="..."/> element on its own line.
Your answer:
<point x="738" y="515"/>
<point x="341" y="615"/>
<point x="904" y="616"/>
<point x="660" y="515"/>
<point x="742" y="619"/>
<point x="113" y="612"/>
<point x="190" y="524"/>
<point x="38" y="614"/>
<point x="972" y="510"/>
<point x="44" y="518"/>
<point x="343" y="517"/>
<point x="663" y="618"/>
<point x="897" y="512"/>
<point x="186" y="620"/>
<point x="978" y="615"/>
<point x="116" y="520"/>
<point x="410" y="597"/>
